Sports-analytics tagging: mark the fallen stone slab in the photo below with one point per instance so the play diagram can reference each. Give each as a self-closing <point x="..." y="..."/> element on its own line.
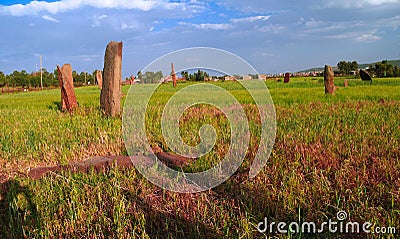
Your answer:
<point x="102" y="163"/>
<point x="98" y="164"/>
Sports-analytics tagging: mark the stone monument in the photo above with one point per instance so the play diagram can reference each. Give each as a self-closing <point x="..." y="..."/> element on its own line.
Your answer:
<point x="173" y="74"/>
<point x="329" y="80"/>
<point x="110" y="99"/>
<point x="99" y="78"/>
<point x="365" y="76"/>
<point x="287" y="78"/>
<point x="68" y="97"/>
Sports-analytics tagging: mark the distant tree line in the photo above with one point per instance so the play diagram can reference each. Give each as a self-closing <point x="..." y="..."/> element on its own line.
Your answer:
<point x="196" y="76"/>
<point x="384" y="69"/>
<point x="346" y="67"/>
<point x="379" y="69"/>
<point x="32" y="80"/>
<point x="150" y="77"/>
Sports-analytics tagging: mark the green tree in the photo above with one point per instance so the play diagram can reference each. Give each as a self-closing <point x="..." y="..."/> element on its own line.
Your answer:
<point x="389" y="70"/>
<point x="20" y="78"/>
<point x="345" y="67"/>
<point x="371" y="70"/>
<point x="185" y="74"/>
<point x="148" y="77"/>
<point x="354" y="66"/>
<point x="2" y="79"/>
<point x="380" y="69"/>
<point x="35" y="81"/>
<point x="157" y="77"/>
<point x="140" y="75"/>
<point x="396" y="71"/>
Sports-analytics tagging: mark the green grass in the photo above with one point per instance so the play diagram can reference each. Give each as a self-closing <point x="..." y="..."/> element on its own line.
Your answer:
<point x="331" y="153"/>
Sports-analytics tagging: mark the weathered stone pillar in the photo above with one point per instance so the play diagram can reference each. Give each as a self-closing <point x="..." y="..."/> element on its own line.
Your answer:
<point x="329" y="80"/>
<point x="99" y="78"/>
<point x="110" y="99"/>
<point x="365" y="76"/>
<point x="287" y="78"/>
<point x="346" y="83"/>
<point x="173" y="74"/>
<point x="68" y="97"/>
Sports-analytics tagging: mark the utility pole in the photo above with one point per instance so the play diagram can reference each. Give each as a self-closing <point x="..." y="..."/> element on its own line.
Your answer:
<point x="41" y="72"/>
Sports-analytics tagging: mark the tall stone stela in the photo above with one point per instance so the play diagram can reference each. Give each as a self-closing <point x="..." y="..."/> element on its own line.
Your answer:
<point x="173" y="74"/>
<point x="287" y="78"/>
<point x="99" y="78"/>
<point x="110" y="99"/>
<point x="68" y="97"/>
<point x="329" y="80"/>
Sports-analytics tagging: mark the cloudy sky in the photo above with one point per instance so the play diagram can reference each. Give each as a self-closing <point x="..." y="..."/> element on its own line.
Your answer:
<point x="272" y="35"/>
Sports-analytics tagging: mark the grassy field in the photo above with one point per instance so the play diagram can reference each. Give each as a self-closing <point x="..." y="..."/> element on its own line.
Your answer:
<point x="331" y="153"/>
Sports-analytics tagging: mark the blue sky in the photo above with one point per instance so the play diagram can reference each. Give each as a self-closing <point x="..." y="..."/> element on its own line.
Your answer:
<point x="273" y="36"/>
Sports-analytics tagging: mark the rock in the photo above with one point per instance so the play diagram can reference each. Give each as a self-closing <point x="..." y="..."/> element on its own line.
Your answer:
<point x="365" y="76"/>
<point x="97" y="163"/>
<point x="99" y="78"/>
<point x="110" y="99"/>
<point x="103" y="163"/>
<point x="68" y="97"/>
<point x="173" y="74"/>
<point x="346" y="83"/>
<point x="329" y="80"/>
<point x="287" y="78"/>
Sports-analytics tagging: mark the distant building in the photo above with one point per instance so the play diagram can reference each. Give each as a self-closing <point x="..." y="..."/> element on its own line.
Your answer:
<point x="169" y="79"/>
<point x="166" y="79"/>
<point x="246" y="77"/>
<point x="262" y="77"/>
<point x="130" y="81"/>
<point x="229" y="78"/>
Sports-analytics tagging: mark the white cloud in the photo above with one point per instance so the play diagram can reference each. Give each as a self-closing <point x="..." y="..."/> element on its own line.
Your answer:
<point x="36" y="7"/>
<point x="394" y="22"/>
<point x="369" y="36"/>
<point x="225" y="26"/>
<point x="263" y="54"/>
<point x="125" y="26"/>
<point x="357" y="3"/>
<point x="314" y="26"/>
<point x="250" y="19"/>
<point x="271" y="28"/>
<point x="48" y="18"/>
<point x="97" y="20"/>
<point x="212" y="26"/>
<point x="313" y="23"/>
